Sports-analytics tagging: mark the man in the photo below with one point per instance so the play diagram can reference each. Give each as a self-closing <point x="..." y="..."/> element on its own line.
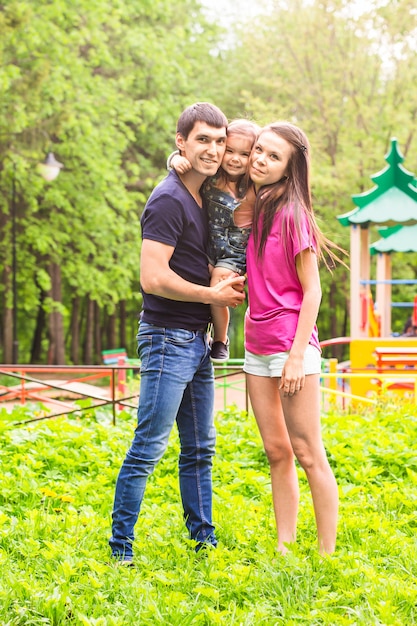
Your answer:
<point x="176" y="374"/>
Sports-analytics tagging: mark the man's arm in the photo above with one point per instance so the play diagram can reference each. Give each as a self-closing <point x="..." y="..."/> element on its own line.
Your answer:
<point x="158" y="279"/>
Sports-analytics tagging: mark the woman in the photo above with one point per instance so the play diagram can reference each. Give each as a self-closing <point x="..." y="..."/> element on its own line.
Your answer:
<point x="282" y="353"/>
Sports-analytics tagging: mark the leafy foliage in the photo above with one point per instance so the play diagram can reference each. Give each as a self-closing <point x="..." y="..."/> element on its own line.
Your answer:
<point x="57" y="486"/>
<point x="101" y="83"/>
<point x="338" y="69"/>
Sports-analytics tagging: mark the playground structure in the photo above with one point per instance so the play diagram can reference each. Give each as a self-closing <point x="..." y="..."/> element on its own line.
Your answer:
<point x="391" y="206"/>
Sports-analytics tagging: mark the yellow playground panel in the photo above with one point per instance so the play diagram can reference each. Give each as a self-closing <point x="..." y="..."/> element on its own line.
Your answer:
<point x="363" y="359"/>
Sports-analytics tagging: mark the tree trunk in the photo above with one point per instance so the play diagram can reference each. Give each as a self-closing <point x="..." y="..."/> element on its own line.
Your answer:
<point x="36" y="350"/>
<point x="7" y="330"/>
<point x="56" y="352"/>
<point x="7" y="335"/>
<point x="122" y="324"/>
<point x="89" y="333"/>
<point x="332" y="303"/>
<point x="75" y="331"/>
<point x="110" y="331"/>
<point x="97" y="333"/>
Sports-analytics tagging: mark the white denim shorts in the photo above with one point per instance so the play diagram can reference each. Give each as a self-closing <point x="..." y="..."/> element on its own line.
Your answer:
<point x="272" y="365"/>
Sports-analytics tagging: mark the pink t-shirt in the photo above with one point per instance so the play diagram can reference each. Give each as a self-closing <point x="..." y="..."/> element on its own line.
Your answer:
<point x="275" y="293"/>
<point x="243" y="215"/>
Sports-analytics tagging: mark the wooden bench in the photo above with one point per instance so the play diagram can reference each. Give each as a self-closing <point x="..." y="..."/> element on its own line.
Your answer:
<point x="395" y="360"/>
<point x="118" y="356"/>
<point x="114" y="357"/>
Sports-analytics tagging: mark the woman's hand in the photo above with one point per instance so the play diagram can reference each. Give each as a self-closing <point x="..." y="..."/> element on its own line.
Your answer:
<point x="293" y="377"/>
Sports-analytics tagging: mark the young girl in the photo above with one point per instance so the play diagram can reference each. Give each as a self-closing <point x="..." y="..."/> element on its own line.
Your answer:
<point x="282" y="353"/>
<point x="229" y="200"/>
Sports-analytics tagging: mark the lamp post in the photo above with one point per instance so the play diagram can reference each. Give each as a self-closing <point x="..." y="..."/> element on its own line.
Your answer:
<point x="49" y="170"/>
<point x="15" y="345"/>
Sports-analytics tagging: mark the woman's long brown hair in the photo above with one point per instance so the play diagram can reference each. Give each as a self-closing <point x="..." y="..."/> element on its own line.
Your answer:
<point x="292" y="194"/>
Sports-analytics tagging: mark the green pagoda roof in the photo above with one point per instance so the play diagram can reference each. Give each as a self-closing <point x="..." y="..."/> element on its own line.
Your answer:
<point x="396" y="239"/>
<point x="393" y="200"/>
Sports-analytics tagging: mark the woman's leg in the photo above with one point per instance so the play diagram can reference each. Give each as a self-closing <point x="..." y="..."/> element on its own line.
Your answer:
<point x="302" y="417"/>
<point x="266" y="404"/>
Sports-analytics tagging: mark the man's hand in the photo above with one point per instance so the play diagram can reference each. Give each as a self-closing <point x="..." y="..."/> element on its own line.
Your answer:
<point x="229" y="292"/>
<point x="159" y="279"/>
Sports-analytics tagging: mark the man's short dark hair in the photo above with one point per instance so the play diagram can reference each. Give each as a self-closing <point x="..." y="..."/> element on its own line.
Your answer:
<point x="200" y="112"/>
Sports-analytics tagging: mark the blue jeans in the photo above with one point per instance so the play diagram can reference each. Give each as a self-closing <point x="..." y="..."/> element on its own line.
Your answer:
<point x="177" y="384"/>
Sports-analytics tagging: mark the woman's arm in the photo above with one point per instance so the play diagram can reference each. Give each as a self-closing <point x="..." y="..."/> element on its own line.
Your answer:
<point x="308" y="275"/>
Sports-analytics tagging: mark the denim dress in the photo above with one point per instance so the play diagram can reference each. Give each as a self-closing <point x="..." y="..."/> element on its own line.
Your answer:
<point x="227" y="242"/>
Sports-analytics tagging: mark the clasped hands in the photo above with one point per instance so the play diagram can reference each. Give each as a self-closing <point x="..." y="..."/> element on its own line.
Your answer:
<point x="230" y="291"/>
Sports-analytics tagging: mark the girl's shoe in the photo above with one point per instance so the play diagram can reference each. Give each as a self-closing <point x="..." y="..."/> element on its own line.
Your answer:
<point x="219" y="352"/>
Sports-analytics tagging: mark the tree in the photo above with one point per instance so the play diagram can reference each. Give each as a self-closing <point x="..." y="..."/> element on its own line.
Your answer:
<point x="102" y="82"/>
<point x="339" y="75"/>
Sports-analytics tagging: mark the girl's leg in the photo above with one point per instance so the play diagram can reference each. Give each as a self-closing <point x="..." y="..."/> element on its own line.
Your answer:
<point x="302" y="416"/>
<point x="266" y="404"/>
<point x="220" y="318"/>
<point x="220" y="314"/>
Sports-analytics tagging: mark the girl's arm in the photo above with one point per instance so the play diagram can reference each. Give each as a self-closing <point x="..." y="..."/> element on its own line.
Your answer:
<point x="179" y="163"/>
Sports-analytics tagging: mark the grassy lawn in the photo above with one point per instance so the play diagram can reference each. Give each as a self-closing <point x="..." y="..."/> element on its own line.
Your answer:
<point x="57" y="482"/>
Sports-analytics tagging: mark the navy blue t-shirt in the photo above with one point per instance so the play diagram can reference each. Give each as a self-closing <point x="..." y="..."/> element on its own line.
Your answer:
<point x="172" y="216"/>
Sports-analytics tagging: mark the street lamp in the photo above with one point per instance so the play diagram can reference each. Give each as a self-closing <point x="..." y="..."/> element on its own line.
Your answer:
<point x="49" y="170"/>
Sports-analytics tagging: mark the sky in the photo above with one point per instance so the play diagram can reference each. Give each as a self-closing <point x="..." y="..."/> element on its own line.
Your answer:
<point x="229" y="10"/>
<point x="226" y="10"/>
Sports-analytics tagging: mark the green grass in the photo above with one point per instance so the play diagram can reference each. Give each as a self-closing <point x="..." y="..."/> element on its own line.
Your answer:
<point x="57" y="482"/>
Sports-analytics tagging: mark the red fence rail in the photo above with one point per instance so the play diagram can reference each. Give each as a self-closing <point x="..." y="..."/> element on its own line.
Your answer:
<point x="40" y="389"/>
<point x="34" y="384"/>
